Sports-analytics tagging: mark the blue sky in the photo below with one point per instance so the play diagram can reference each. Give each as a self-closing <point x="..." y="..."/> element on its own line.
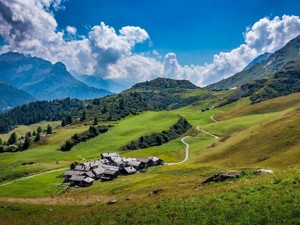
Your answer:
<point x="131" y="41"/>
<point x="194" y="29"/>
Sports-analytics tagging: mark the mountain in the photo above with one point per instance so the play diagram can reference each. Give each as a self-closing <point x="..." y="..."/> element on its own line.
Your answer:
<point x="42" y="79"/>
<point x="155" y="95"/>
<point x="165" y="83"/>
<point x="263" y="69"/>
<point x="99" y="82"/>
<point x="11" y="97"/>
<point x="283" y="82"/>
<point x="257" y="60"/>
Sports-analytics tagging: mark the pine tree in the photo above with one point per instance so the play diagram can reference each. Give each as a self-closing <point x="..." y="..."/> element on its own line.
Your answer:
<point x="26" y="144"/>
<point x="49" y="129"/>
<point x="39" y="130"/>
<point x="63" y="123"/>
<point x="83" y="116"/>
<point x="34" y="133"/>
<point x="12" y="139"/>
<point x="95" y="121"/>
<point x="37" y="137"/>
<point x="1" y="141"/>
<point x="29" y="134"/>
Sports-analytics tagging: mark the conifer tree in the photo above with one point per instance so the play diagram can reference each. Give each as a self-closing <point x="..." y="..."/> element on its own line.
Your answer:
<point x="12" y="139"/>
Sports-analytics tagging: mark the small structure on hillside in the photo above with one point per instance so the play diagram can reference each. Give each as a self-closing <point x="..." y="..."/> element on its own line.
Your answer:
<point x="107" y="168"/>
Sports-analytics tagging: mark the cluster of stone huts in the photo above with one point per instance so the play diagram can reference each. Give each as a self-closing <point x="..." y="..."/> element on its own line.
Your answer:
<point x="109" y="167"/>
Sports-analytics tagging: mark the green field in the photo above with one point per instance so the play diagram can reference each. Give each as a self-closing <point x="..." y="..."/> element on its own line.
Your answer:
<point x="271" y="133"/>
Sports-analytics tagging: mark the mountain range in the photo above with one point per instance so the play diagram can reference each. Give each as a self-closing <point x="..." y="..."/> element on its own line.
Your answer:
<point x="11" y="97"/>
<point x="262" y="68"/>
<point x="42" y="79"/>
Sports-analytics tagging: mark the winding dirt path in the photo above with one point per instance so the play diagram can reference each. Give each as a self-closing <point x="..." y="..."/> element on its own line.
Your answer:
<point x="38" y="174"/>
<point x="187" y="148"/>
<point x="203" y="131"/>
<point x="213" y="119"/>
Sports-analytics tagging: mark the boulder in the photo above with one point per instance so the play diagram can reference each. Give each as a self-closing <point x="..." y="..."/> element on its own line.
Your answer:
<point x="260" y="171"/>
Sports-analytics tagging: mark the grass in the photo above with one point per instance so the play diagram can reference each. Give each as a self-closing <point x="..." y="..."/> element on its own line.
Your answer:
<point x="270" y="133"/>
<point x="249" y="200"/>
<point x="21" y="130"/>
<point x="48" y="156"/>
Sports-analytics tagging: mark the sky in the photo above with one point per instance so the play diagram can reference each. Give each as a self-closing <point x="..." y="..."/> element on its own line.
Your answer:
<point x="131" y="41"/>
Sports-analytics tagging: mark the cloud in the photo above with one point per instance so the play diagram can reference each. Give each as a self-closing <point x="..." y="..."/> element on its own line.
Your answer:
<point x="110" y="54"/>
<point x="266" y="35"/>
<point x="36" y="34"/>
<point x="71" y="30"/>
<point x="135" y="68"/>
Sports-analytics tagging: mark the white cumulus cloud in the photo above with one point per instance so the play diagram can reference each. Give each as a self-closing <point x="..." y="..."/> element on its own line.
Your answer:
<point x="29" y="26"/>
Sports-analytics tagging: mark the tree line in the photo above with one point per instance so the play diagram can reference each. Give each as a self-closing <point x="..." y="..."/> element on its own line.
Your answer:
<point x="38" y="111"/>
<point x="157" y="139"/>
<point x="92" y="132"/>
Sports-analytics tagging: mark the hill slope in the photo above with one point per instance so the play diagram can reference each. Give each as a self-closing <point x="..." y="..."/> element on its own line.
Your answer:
<point x="265" y="68"/>
<point x="42" y="79"/>
<point x="11" y="97"/>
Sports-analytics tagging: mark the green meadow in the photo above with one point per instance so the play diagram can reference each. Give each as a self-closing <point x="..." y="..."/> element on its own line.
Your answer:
<point x="265" y="139"/>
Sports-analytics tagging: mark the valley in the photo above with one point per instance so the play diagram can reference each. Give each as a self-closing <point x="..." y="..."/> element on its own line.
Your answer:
<point x="167" y="112"/>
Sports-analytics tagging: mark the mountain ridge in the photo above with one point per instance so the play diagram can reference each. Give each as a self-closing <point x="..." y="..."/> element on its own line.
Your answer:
<point x="42" y="79"/>
<point x="263" y="69"/>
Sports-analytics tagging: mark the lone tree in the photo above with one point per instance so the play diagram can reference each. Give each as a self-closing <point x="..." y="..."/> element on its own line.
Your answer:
<point x="1" y="141"/>
<point x="12" y="139"/>
<point x="49" y="129"/>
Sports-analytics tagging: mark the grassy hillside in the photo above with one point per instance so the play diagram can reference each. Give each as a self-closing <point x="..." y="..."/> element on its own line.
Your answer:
<point x="263" y="135"/>
<point x="48" y="156"/>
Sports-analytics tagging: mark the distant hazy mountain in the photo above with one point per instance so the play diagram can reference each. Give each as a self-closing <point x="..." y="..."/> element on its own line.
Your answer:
<point x="262" y="69"/>
<point x="98" y="82"/>
<point x="257" y="60"/>
<point x="11" y="97"/>
<point x="42" y="79"/>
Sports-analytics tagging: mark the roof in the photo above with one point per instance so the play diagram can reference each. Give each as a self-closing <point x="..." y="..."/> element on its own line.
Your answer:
<point x="130" y="169"/>
<point x="91" y="164"/>
<point x="104" y="161"/>
<point x="144" y="160"/>
<point x="109" y="155"/>
<point x="111" y="167"/>
<point x="89" y="174"/>
<point x="82" y="168"/>
<point x="134" y="163"/>
<point x="99" y="170"/>
<point x="88" y="180"/>
<point x="109" y="172"/>
<point x="154" y="159"/>
<point x="77" y="178"/>
<point x="73" y="172"/>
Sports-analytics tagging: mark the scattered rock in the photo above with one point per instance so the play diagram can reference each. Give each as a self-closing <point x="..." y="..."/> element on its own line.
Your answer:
<point x="3" y="206"/>
<point x="111" y="202"/>
<point x="155" y="192"/>
<point x="219" y="177"/>
<point x="260" y="171"/>
<point x="263" y="158"/>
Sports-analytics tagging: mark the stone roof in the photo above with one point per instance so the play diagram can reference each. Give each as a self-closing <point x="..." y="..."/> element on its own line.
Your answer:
<point x="130" y="170"/>
<point x="77" y="178"/>
<point x="154" y="159"/>
<point x="109" y="155"/>
<point x="99" y="170"/>
<point x="88" y="180"/>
